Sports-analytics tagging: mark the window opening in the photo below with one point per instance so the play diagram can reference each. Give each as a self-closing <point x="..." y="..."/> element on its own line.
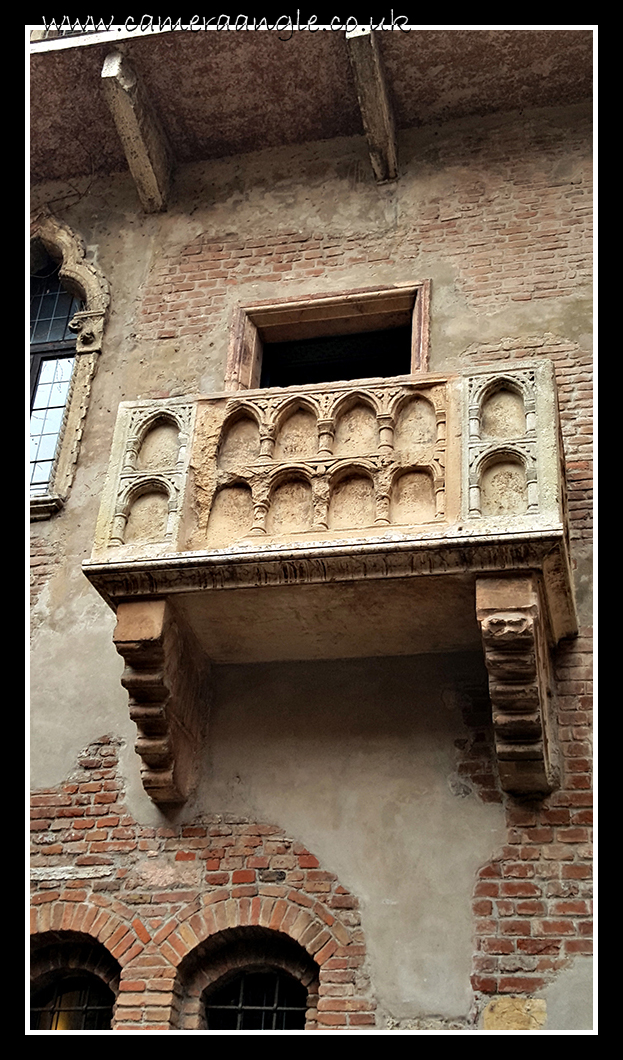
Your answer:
<point x="365" y="334"/>
<point x="52" y="354"/>
<point x="258" y="1001"/>
<point x="370" y="354"/>
<point x="76" y="1003"/>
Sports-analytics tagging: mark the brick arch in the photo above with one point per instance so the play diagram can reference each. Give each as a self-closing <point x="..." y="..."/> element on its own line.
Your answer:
<point x="235" y="950"/>
<point x="303" y="924"/>
<point x="71" y="951"/>
<point x="122" y="936"/>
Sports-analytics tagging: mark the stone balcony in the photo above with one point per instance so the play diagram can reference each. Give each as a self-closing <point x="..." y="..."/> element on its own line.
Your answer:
<point x="416" y="514"/>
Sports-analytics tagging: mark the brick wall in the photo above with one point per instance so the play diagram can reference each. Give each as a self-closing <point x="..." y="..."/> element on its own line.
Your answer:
<point x="532" y="902"/>
<point x="152" y="896"/>
<point x="513" y="221"/>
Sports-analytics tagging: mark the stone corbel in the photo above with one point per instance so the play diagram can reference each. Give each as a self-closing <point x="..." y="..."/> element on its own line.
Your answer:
<point x="167" y="677"/>
<point x="516" y="641"/>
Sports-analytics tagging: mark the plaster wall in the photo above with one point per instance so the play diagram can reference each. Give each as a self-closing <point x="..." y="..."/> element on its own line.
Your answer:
<point x="363" y="758"/>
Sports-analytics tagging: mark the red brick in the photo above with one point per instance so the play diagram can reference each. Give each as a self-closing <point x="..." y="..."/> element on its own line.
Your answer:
<point x="519" y="984"/>
<point x="243" y="876"/>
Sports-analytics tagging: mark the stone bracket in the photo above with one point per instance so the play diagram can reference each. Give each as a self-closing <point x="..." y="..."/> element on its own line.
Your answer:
<point x="167" y="677"/>
<point x="516" y="641"/>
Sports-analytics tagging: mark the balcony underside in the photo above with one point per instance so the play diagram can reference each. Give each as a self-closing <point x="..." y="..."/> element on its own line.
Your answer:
<point x="365" y="598"/>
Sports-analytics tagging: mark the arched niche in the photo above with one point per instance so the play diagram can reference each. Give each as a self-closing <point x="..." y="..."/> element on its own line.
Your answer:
<point x="351" y="501"/>
<point x="160" y="447"/>
<point x="297" y="434"/>
<point x="412" y="499"/>
<point x="503" y="413"/>
<point x="231" y="515"/>
<point x="415" y="425"/>
<point x="291" y="507"/>
<point x="148" y="517"/>
<point x="503" y="487"/>
<point x="356" y="430"/>
<point x="240" y="442"/>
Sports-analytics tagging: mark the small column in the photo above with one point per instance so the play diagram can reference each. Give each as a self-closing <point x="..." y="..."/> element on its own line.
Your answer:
<point x="326" y="434"/>
<point x="533" y="491"/>
<point x="475" y="502"/>
<point x="386" y="433"/>
<point x="320" y="501"/>
<point x="267" y="443"/>
<point x="260" y="511"/>
<point x="382" y="509"/>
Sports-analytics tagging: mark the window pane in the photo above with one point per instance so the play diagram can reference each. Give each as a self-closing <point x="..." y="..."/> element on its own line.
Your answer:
<point x="42" y="396"/>
<point x="47" y="417"/>
<point x="52" y="422"/>
<point x="51" y="308"/>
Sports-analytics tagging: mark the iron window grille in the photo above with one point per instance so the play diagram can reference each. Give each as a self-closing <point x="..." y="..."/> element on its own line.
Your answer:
<point x="77" y="1003"/>
<point x="258" y="1001"/>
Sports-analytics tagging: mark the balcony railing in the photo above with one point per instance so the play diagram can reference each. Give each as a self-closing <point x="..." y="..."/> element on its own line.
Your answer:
<point x="474" y="455"/>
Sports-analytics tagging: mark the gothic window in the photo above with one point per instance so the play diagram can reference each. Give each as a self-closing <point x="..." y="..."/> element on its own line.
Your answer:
<point x="69" y="301"/>
<point x="52" y="355"/>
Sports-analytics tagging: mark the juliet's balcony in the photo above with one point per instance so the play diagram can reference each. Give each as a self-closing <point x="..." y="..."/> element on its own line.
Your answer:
<point x="379" y="517"/>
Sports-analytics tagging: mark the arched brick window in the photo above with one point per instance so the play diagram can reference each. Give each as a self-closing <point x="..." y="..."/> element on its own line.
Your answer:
<point x="72" y="1002"/>
<point x="248" y="978"/>
<point x="74" y="983"/>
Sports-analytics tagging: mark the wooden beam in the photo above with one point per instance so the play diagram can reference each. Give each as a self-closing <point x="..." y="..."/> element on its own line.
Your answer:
<point x="376" y="109"/>
<point x="140" y="132"/>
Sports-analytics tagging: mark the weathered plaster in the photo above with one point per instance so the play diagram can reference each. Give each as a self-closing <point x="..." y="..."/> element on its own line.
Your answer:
<point x="569" y="998"/>
<point x="369" y="746"/>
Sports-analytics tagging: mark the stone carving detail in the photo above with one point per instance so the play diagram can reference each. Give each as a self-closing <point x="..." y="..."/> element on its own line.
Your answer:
<point x="516" y="644"/>
<point x="328" y="459"/>
<point x="502" y="444"/>
<point x="153" y="473"/>
<point x="166" y="675"/>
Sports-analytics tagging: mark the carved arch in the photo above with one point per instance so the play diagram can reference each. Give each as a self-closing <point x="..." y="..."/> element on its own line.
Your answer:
<point x="80" y="276"/>
<point x="511" y="455"/>
<point x="345" y="402"/>
<point x="291" y="405"/>
<point x="228" y="455"/>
